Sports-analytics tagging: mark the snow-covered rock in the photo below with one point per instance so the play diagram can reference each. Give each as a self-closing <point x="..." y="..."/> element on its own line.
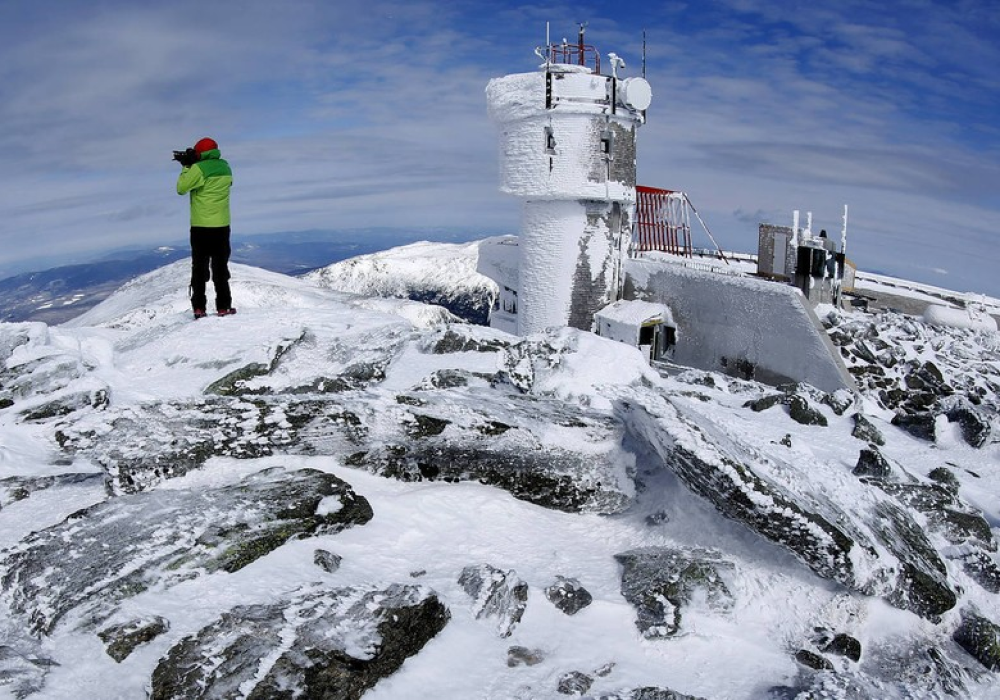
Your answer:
<point x="86" y="566"/>
<point x="173" y="494"/>
<point x="874" y="548"/>
<point x="568" y="595"/>
<point x="500" y="596"/>
<point x="918" y="371"/>
<point x="660" y="582"/>
<point x="322" y="643"/>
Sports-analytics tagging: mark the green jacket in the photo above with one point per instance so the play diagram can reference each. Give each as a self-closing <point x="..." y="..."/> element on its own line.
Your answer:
<point x="208" y="181"/>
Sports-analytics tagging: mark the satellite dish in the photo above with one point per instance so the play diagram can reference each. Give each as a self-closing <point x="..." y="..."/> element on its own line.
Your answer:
<point x="636" y="93"/>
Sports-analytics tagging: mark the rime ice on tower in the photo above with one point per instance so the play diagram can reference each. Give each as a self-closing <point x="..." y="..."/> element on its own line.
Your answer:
<point x="567" y="148"/>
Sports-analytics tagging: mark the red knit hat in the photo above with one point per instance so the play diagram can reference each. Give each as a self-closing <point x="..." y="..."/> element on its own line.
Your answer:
<point x="206" y="144"/>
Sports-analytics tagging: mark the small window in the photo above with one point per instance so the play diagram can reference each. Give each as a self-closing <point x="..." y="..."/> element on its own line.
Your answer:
<point x="550" y="141"/>
<point x="509" y="300"/>
<point x="607" y="143"/>
<point x="646" y="335"/>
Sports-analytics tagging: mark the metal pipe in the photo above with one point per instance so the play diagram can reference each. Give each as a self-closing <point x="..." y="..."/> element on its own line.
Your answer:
<point x="843" y="234"/>
<point x="704" y="226"/>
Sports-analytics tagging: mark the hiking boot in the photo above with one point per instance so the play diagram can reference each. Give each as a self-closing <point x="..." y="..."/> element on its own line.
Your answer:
<point x="227" y="312"/>
<point x="199" y="313"/>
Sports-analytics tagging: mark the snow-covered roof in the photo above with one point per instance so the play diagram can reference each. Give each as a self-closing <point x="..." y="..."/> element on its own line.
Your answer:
<point x="498" y="260"/>
<point x="635" y="312"/>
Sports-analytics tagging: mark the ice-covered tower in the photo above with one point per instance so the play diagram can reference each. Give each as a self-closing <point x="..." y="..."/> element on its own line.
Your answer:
<point x="567" y="148"/>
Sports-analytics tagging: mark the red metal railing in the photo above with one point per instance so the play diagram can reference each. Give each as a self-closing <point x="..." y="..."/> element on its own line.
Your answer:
<point x="662" y="221"/>
<point x="576" y="54"/>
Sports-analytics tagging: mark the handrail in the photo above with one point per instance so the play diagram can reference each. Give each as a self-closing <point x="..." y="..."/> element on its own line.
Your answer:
<point x="661" y="221"/>
<point x="575" y="54"/>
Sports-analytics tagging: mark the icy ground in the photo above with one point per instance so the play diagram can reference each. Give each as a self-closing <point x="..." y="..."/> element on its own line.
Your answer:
<point x="135" y="400"/>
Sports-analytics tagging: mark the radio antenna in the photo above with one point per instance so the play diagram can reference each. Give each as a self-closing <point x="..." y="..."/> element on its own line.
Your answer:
<point x="643" y="53"/>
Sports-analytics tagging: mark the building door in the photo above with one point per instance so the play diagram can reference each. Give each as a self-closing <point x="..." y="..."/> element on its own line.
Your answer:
<point x="779" y="254"/>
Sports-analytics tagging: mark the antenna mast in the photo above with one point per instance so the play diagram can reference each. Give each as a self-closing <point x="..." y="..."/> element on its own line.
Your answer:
<point x="843" y="234"/>
<point x="644" y="54"/>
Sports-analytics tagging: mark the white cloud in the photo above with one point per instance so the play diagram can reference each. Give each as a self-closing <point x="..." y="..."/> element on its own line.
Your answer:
<point x="373" y="114"/>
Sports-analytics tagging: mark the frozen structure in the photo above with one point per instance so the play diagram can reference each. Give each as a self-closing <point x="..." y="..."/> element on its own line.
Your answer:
<point x="598" y="253"/>
<point x="816" y="265"/>
<point x="761" y="326"/>
<point x="973" y="317"/>
<point x="567" y="149"/>
<point x="736" y="324"/>
<point x="646" y="325"/>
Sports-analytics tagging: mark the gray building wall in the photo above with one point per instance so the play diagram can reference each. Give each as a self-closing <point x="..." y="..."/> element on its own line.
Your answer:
<point x="775" y="256"/>
<point x="740" y="325"/>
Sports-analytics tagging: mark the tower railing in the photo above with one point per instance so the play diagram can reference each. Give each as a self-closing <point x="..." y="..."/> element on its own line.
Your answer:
<point x="662" y="221"/>
<point x="576" y="54"/>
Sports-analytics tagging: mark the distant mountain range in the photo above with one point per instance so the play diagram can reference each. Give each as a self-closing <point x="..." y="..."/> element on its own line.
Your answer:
<point x="58" y="294"/>
<point x="442" y="274"/>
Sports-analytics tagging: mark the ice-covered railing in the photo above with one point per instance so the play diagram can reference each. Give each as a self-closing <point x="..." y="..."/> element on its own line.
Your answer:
<point x="705" y="267"/>
<point x="662" y="221"/>
<point x="578" y="54"/>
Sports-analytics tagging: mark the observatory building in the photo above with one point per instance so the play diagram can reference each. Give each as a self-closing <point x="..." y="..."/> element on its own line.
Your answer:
<point x="599" y="253"/>
<point x="567" y="149"/>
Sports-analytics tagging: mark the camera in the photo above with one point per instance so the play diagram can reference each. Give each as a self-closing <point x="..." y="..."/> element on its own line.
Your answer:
<point x="187" y="157"/>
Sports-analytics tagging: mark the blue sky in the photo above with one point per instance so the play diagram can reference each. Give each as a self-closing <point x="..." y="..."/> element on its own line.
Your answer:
<point x="344" y="114"/>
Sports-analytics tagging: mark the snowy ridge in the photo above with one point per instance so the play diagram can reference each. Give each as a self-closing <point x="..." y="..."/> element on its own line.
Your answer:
<point x="392" y="272"/>
<point x="875" y="282"/>
<point x="441" y="273"/>
<point x="363" y="460"/>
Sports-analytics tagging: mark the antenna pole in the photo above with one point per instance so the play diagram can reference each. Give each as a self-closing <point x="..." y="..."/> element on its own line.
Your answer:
<point x="643" y="53"/>
<point x="843" y="234"/>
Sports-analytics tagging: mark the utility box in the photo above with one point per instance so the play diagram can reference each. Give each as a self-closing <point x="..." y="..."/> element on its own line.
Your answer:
<point x="815" y="264"/>
<point x="775" y="252"/>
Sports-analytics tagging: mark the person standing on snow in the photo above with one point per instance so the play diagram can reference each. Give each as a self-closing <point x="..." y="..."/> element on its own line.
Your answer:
<point x="207" y="177"/>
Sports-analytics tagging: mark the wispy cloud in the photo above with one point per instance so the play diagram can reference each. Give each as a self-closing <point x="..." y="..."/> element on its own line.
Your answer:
<point x="373" y="114"/>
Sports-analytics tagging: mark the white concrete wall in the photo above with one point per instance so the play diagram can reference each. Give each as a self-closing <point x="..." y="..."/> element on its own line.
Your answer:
<point x="572" y="162"/>
<point x="574" y="168"/>
<point x="740" y="319"/>
<point x="550" y="249"/>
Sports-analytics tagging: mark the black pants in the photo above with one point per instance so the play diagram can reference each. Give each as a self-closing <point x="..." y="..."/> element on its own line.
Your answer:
<point x="210" y="260"/>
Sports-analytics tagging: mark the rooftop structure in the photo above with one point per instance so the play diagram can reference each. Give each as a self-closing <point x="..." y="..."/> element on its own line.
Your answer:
<point x="568" y="151"/>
